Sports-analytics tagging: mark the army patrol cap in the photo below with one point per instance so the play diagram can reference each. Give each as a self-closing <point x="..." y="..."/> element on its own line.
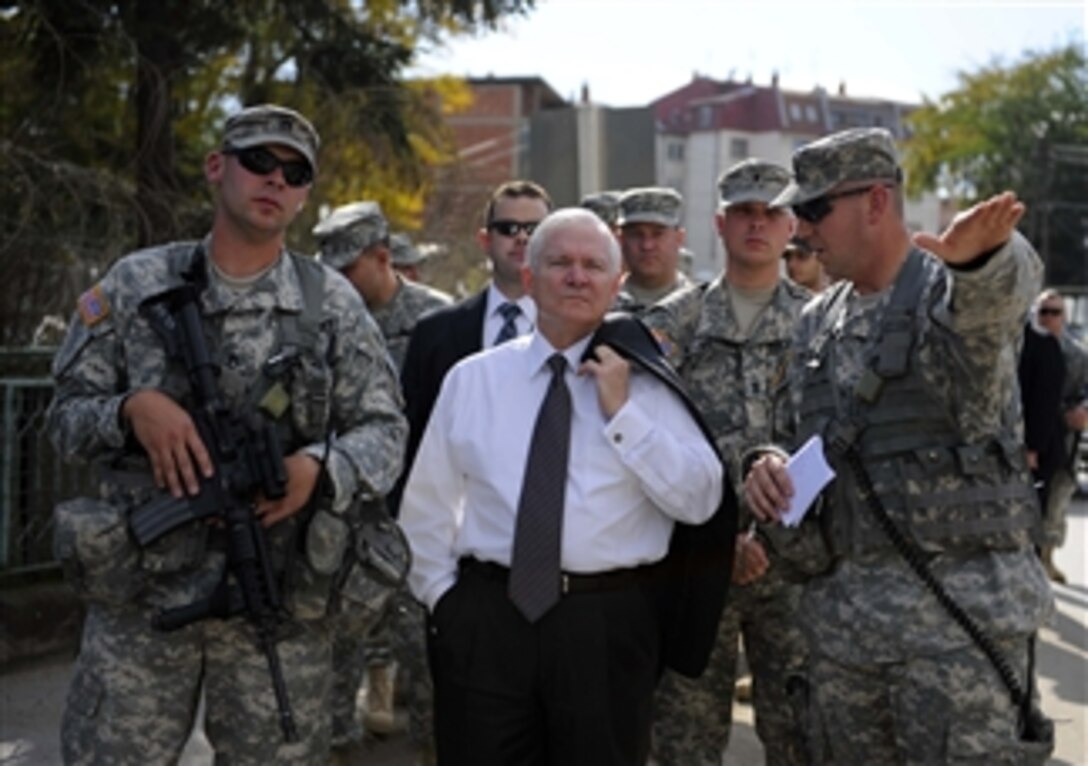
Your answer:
<point x="605" y="204"/>
<point x="404" y="252"/>
<point x="272" y="124"/>
<point x="752" y="180"/>
<point x="347" y="231"/>
<point x="859" y="154"/>
<point x="653" y="204"/>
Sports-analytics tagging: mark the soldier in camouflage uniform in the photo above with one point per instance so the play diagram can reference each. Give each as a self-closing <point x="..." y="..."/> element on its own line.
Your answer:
<point x="907" y="369"/>
<point x="606" y="204"/>
<point x="354" y="239"/>
<point x="728" y="340"/>
<point x="651" y="238"/>
<point x="408" y="260"/>
<point x="293" y="347"/>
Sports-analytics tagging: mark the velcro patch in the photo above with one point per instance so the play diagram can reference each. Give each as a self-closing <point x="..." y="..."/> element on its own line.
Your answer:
<point x="93" y="306"/>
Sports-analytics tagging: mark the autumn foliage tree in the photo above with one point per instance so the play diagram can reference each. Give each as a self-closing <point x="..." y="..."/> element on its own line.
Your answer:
<point x="1022" y="127"/>
<point x="109" y="107"/>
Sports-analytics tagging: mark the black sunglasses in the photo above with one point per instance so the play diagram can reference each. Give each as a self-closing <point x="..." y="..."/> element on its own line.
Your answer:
<point x="815" y="210"/>
<point x="261" y="162"/>
<point x="511" y="228"/>
<point x="1047" y="311"/>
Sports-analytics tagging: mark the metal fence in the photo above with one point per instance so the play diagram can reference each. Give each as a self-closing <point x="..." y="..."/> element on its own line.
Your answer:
<point x="32" y="476"/>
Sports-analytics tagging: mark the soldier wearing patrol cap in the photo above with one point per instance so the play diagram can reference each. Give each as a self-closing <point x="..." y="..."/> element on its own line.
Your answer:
<point x="355" y="239"/>
<point x="651" y="236"/>
<point x="907" y="368"/>
<point x="737" y="329"/>
<point x="408" y="259"/>
<point x="606" y="204"/>
<point x="293" y="349"/>
<point x="803" y="267"/>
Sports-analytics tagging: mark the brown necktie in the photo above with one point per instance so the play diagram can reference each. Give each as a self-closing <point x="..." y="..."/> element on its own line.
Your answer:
<point x="534" y="569"/>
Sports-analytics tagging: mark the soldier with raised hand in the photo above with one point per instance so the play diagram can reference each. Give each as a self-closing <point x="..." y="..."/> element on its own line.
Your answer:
<point x="651" y="236"/>
<point x="728" y="340"/>
<point x="907" y="370"/>
<point x="355" y="240"/>
<point x="291" y="347"/>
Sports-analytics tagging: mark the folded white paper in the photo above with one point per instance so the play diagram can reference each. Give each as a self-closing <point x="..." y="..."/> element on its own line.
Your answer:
<point x="810" y="473"/>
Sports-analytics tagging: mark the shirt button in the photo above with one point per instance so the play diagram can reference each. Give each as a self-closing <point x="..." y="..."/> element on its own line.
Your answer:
<point x="617" y="438"/>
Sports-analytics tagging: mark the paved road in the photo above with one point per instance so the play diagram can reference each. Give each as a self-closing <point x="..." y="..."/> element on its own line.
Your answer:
<point x="31" y="697"/>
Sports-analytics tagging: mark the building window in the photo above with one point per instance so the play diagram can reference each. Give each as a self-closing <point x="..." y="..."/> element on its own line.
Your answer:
<point x="878" y="121"/>
<point x="810" y="113"/>
<point x="795" y="112"/>
<point x="675" y="152"/>
<point x="705" y="115"/>
<point x="738" y="148"/>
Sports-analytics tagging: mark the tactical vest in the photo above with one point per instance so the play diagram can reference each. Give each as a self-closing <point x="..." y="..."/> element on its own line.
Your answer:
<point x="943" y="493"/>
<point x="293" y="390"/>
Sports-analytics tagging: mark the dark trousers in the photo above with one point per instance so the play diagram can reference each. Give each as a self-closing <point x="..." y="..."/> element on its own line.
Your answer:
<point x="574" y="688"/>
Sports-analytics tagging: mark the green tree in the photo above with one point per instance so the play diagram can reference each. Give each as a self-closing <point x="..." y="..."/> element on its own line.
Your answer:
<point x="1022" y="127"/>
<point x="110" y="105"/>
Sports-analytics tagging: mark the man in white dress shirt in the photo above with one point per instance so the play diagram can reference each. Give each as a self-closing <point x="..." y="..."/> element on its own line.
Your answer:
<point x="573" y="686"/>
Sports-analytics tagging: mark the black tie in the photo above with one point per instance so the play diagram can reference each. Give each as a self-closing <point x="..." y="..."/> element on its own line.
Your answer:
<point x="509" y="329"/>
<point x="534" y="568"/>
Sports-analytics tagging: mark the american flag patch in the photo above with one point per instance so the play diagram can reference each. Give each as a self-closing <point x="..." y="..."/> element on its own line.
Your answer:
<point x="664" y="341"/>
<point x="93" y="306"/>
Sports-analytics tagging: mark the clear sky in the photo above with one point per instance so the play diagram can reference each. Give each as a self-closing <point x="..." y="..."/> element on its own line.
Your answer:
<point x="632" y="51"/>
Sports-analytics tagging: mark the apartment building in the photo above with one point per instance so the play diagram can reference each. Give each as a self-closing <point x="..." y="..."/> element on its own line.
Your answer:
<point x="707" y="125"/>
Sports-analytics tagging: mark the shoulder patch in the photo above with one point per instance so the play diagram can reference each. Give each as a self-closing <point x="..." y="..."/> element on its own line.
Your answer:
<point x="93" y="306"/>
<point x="664" y="341"/>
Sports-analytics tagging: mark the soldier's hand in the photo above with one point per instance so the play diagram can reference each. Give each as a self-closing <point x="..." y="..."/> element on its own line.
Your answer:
<point x="613" y="374"/>
<point x="169" y="436"/>
<point x="767" y="488"/>
<point x="302" y="470"/>
<point x="750" y="560"/>
<point x="974" y="231"/>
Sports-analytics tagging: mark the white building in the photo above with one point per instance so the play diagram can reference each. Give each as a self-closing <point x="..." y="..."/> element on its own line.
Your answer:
<point x="708" y="125"/>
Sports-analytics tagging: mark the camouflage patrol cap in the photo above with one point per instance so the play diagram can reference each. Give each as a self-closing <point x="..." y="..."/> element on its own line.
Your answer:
<point x="349" y="230"/>
<point x="858" y="154"/>
<point x="404" y="252"/>
<point x="752" y="180"/>
<point x="654" y="204"/>
<point x="272" y="124"/>
<point x="606" y="204"/>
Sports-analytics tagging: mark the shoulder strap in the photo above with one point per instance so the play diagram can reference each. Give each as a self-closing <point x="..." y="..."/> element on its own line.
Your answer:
<point x="303" y="330"/>
<point x="897" y="325"/>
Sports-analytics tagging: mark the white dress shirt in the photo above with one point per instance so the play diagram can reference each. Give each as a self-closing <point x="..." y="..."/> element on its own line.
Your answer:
<point x="629" y="478"/>
<point x="493" y="320"/>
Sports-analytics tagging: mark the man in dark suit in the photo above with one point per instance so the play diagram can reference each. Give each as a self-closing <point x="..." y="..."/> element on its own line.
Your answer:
<point x="445" y="337"/>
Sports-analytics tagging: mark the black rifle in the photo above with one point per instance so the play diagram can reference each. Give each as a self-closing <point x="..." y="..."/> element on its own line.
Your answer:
<point x="248" y="459"/>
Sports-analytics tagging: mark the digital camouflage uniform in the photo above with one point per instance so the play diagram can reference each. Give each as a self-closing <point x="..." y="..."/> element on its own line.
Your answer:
<point x="135" y="690"/>
<point x="399" y="634"/>
<point x="890" y="674"/>
<point x="737" y="380"/>
<point x="656" y="205"/>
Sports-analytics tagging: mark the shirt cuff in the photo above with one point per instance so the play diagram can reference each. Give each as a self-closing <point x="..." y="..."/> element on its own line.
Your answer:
<point x="628" y="427"/>
<point x="112" y="425"/>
